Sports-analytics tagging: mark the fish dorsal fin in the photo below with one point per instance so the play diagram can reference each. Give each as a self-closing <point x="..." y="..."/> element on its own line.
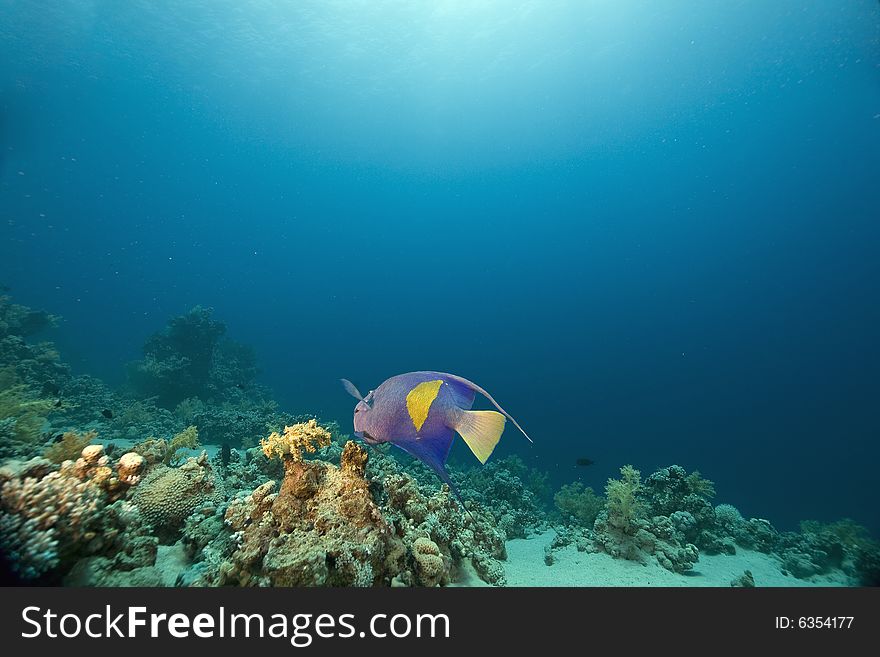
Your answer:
<point x="481" y="430"/>
<point x="351" y="389"/>
<point x="419" y="400"/>
<point x="462" y="395"/>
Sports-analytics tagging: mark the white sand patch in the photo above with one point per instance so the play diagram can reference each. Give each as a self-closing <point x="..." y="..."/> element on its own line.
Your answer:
<point x="525" y="567"/>
<point x="467" y="575"/>
<point x="171" y="561"/>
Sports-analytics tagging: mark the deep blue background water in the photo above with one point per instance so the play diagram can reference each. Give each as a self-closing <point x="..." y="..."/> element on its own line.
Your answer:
<point x="649" y="229"/>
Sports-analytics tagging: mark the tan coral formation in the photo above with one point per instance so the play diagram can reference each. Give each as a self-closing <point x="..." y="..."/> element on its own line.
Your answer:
<point x="431" y="565"/>
<point x="166" y="495"/>
<point x="130" y="467"/>
<point x="70" y="446"/>
<point x="321" y="529"/>
<point x="95" y="466"/>
<point x="50" y="518"/>
<point x="308" y="436"/>
<point x="322" y="526"/>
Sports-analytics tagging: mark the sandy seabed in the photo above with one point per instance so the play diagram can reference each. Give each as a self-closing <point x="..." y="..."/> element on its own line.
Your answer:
<point x="525" y="567"/>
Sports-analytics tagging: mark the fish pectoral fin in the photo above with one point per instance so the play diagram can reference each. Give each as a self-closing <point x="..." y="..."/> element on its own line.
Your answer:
<point x="481" y="430"/>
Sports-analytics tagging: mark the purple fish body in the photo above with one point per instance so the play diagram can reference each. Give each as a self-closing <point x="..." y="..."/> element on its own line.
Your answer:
<point x="420" y="412"/>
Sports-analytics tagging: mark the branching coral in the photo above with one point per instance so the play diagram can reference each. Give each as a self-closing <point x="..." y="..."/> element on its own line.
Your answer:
<point x="170" y="452"/>
<point x="700" y="486"/>
<point x="44" y="515"/>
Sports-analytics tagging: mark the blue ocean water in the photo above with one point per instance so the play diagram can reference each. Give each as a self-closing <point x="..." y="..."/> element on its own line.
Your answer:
<point x="649" y="229"/>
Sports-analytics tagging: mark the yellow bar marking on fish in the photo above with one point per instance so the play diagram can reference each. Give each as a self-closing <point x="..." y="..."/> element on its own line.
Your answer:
<point x="419" y="400"/>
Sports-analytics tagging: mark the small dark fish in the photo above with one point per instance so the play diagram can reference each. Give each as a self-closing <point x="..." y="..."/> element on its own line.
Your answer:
<point x="51" y="389"/>
<point x="109" y="449"/>
<point x="225" y="452"/>
<point x="107" y="413"/>
<point x="58" y="438"/>
<point x="57" y="403"/>
<point x="239" y="386"/>
<point x="585" y="462"/>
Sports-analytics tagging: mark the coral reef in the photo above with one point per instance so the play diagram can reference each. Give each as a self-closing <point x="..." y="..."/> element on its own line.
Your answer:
<point x="49" y="518"/>
<point x="83" y="398"/>
<point x="170" y="452"/>
<point x="69" y="446"/>
<point x="177" y="360"/>
<point x="624" y="530"/>
<point x="686" y="499"/>
<point x="22" y="321"/>
<point x="578" y="504"/>
<point x="820" y="548"/>
<point x="185" y="440"/>
<point x="35" y="364"/>
<point x="114" y="501"/>
<point x="190" y="359"/>
<point x="499" y="488"/>
<point x="321" y="528"/>
<point x="471" y="535"/>
<point x="324" y="526"/>
<point x="22" y="416"/>
<point x="135" y="419"/>
<point x="239" y="423"/>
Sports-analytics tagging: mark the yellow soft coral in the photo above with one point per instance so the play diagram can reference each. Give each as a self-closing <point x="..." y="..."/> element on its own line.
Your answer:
<point x="306" y="436"/>
<point x="21" y="409"/>
<point x="186" y="439"/>
<point x="623" y="503"/>
<point x="70" y="446"/>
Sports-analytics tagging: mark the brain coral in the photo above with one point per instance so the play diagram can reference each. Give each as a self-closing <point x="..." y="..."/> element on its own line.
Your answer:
<point x="166" y="496"/>
<point x="430" y="563"/>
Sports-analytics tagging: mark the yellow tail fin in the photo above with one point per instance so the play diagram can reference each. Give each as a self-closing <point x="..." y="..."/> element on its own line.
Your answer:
<point x="481" y="431"/>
